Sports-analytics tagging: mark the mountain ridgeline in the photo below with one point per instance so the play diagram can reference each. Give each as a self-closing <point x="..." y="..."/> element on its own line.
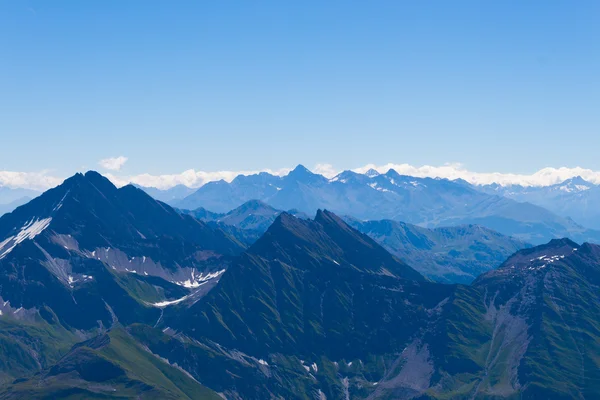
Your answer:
<point x="575" y="198"/>
<point x="421" y="201"/>
<point x="108" y="293"/>
<point x="451" y="254"/>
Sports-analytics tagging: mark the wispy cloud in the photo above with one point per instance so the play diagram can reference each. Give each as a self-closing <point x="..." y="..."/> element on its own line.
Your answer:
<point x="28" y="180"/>
<point x="113" y="163"/>
<point x="327" y="170"/>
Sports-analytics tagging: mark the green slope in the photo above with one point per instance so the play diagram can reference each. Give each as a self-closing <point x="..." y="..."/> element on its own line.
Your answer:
<point x="28" y="345"/>
<point x="114" y="366"/>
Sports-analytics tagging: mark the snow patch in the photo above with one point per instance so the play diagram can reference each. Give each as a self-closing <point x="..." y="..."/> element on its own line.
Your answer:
<point x="28" y="231"/>
<point x="374" y="186"/>
<point x="198" y="280"/>
<point x="170" y="303"/>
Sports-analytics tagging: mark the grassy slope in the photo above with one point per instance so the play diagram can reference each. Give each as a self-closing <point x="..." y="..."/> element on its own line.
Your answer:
<point x="27" y="347"/>
<point x="121" y="369"/>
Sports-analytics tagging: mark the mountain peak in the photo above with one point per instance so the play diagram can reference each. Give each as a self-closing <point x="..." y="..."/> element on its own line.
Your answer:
<point x="91" y="174"/>
<point x="392" y="173"/>
<point x="303" y="174"/>
<point x="575" y="184"/>
<point x="556" y="243"/>
<point x="528" y="261"/>
<point x="325" y="217"/>
<point x="371" y="173"/>
<point x="346" y="176"/>
<point x="327" y="238"/>
<point x="578" y="180"/>
<point x="301" y="170"/>
<point x="253" y="205"/>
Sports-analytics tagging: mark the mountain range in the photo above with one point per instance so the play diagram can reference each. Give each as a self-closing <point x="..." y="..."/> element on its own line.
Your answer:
<point x="456" y="254"/>
<point x="449" y="254"/>
<point x="325" y="312"/>
<point x="575" y="198"/>
<point x="110" y="294"/>
<point x="425" y="202"/>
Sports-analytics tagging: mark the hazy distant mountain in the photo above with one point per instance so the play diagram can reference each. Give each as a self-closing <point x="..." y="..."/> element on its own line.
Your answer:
<point x="221" y="196"/>
<point x="574" y="198"/>
<point x="9" y="195"/>
<point x="12" y="198"/>
<point x="6" y="208"/>
<point x="168" y="195"/>
<point x="450" y="254"/>
<point x="420" y="201"/>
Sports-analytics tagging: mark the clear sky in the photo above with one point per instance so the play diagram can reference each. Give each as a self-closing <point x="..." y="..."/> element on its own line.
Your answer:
<point x="507" y="86"/>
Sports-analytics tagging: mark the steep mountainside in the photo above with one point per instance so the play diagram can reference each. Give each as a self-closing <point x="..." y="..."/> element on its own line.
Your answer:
<point x="451" y="254"/>
<point x="319" y="297"/>
<point x="545" y="306"/>
<point x="294" y="260"/>
<point x="421" y="201"/>
<point x="84" y="255"/>
<point x="306" y="294"/>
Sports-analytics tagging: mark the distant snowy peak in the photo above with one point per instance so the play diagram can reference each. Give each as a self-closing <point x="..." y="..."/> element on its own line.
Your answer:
<point x="371" y="173"/>
<point x="573" y="185"/>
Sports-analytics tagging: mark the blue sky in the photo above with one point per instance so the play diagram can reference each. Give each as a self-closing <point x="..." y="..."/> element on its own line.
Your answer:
<point x="506" y="86"/>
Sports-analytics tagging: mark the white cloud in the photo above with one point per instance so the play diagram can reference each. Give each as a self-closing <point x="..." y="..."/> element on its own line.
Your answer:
<point x="113" y="163"/>
<point x="327" y="170"/>
<point x="28" y="180"/>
